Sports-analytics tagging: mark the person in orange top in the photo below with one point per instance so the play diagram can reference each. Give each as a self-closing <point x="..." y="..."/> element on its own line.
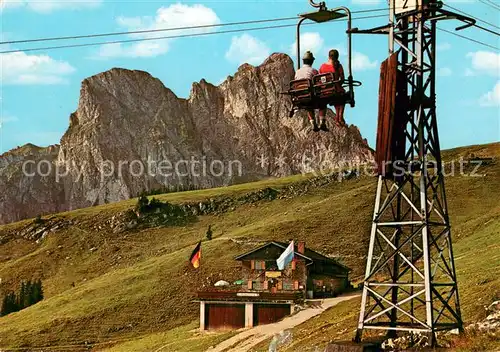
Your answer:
<point x="333" y="65"/>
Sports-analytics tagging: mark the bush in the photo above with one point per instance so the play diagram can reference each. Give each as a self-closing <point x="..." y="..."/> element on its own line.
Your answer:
<point x="38" y="220"/>
<point x="170" y="189"/>
<point x="155" y="204"/>
<point x="142" y="204"/>
<point x="156" y="213"/>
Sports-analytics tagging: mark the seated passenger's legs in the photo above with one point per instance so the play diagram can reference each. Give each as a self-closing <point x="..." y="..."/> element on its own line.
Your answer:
<point x="322" y="116"/>
<point x="339" y="110"/>
<point x="312" y="120"/>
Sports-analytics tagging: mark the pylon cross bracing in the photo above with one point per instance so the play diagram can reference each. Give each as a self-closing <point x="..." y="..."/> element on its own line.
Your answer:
<point x="410" y="282"/>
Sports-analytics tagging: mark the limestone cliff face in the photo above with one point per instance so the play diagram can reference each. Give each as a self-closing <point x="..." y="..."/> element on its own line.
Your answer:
<point x="27" y="183"/>
<point x="130" y="133"/>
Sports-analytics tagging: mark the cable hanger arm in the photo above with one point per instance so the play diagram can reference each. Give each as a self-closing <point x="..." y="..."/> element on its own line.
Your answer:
<point x="321" y="5"/>
<point x="469" y="21"/>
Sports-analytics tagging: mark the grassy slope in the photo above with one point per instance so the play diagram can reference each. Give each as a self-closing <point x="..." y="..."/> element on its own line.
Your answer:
<point x="478" y="264"/>
<point x="136" y="286"/>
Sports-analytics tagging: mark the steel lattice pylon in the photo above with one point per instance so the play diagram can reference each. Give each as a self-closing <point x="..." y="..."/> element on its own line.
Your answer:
<point x="410" y="281"/>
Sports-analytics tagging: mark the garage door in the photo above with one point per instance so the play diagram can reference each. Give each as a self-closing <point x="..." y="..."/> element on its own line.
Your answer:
<point x="269" y="313"/>
<point x="218" y="316"/>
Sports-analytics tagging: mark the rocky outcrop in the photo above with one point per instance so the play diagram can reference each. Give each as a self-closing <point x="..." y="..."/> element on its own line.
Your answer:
<point x="28" y="183"/>
<point x="490" y="325"/>
<point x="130" y="133"/>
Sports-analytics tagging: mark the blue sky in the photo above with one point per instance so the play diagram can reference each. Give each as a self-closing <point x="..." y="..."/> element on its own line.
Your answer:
<point x="40" y="89"/>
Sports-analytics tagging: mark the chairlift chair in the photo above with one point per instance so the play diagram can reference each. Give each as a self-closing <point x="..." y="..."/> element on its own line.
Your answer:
<point x="322" y="89"/>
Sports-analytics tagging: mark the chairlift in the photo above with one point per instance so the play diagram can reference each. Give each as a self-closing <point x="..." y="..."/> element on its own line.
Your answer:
<point x="322" y="89"/>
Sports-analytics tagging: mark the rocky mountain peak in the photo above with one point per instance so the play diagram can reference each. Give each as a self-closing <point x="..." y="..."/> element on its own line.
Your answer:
<point x="128" y="123"/>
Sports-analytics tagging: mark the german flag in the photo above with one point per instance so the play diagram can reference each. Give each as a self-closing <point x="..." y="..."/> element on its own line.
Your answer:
<point x="195" y="257"/>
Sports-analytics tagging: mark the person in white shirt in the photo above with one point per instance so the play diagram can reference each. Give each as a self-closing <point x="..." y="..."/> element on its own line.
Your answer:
<point x="307" y="72"/>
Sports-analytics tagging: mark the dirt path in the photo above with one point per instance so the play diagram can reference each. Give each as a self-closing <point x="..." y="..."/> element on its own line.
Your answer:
<point x="247" y="339"/>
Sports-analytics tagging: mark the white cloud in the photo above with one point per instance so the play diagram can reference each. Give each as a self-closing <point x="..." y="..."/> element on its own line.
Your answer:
<point x="21" y="68"/>
<point x="173" y="16"/>
<point x="491" y="98"/>
<point x="443" y="46"/>
<point x="361" y="62"/>
<point x="140" y="49"/>
<point x="7" y="119"/>
<point x="485" y="62"/>
<point x="46" y="6"/>
<point x="311" y="41"/>
<point x="132" y="22"/>
<point x="366" y="2"/>
<point x="469" y="73"/>
<point x="247" y="49"/>
<point x="314" y="42"/>
<point x="445" y="72"/>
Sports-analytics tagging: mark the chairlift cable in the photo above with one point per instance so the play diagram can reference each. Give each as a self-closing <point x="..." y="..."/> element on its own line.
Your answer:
<point x="168" y="37"/>
<point x="476" y="18"/>
<point x="205" y="34"/>
<point x="487" y="30"/>
<point x="96" y="35"/>
<point x="490" y="4"/>
<point x="468" y="38"/>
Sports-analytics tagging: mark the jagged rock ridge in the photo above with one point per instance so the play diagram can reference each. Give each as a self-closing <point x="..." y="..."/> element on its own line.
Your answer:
<point x="130" y="133"/>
